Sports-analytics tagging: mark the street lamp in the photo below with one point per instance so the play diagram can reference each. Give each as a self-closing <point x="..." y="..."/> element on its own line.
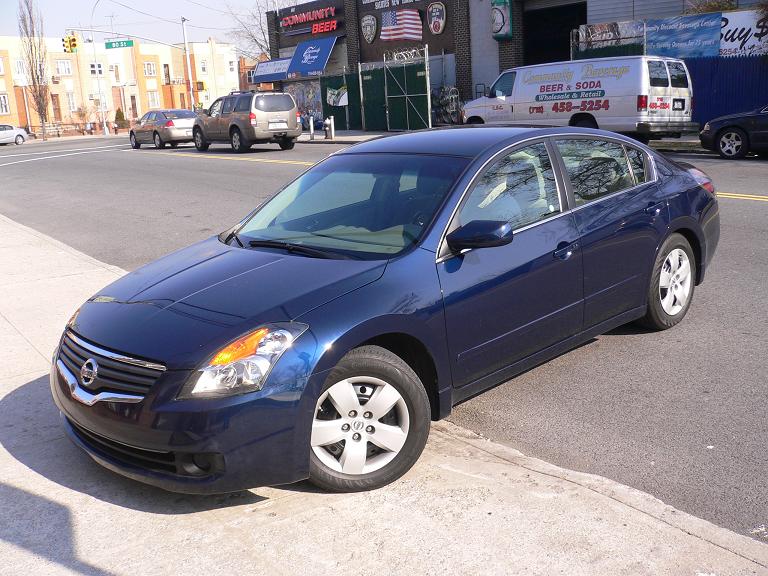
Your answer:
<point x="98" y="77"/>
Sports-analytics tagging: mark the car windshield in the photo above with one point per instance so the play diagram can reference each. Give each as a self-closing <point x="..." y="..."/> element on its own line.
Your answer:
<point x="173" y="114"/>
<point x="365" y="205"/>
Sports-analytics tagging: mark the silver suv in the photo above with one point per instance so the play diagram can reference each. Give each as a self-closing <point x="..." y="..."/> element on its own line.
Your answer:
<point x="246" y="118"/>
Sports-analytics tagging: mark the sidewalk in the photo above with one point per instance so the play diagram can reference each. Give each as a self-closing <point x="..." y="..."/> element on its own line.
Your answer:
<point x="470" y="506"/>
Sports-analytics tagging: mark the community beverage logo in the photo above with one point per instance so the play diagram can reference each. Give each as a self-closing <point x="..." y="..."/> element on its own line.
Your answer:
<point x="310" y="55"/>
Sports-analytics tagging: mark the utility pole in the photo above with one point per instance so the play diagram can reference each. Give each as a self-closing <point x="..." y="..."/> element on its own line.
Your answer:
<point x="189" y="67"/>
<point x="98" y="76"/>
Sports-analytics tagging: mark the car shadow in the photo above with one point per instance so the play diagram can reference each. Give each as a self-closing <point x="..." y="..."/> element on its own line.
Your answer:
<point x="31" y="432"/>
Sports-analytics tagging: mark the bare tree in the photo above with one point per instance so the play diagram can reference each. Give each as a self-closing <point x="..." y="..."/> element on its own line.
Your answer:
<point x="251" y="25"/>
<point x="762" y="8"/>
<point x="35" y="57"/>
<point x="704" y="6"/>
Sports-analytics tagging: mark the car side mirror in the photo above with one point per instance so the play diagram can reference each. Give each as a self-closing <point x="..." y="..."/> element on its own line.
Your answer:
<point x="491" y="94"/>
<point x="479" y="234"/>
<point x="487" y="92"/>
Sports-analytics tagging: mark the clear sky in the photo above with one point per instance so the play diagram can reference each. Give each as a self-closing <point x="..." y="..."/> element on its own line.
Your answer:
<point x="161" y="21"/>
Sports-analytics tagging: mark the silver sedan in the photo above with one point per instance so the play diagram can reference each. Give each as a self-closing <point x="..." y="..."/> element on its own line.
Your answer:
<point x="161" y="127"/>
<point x="11" y="135"/>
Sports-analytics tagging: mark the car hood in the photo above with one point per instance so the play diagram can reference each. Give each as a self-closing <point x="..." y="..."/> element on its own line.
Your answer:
<point x="182" y="308"/>
<point x="740" y="115"/>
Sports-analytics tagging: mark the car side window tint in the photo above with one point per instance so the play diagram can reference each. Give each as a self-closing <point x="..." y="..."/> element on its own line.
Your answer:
<point x="243" y="104"/>
<point x="520" y="189"/>
<point x="503" y="86"/>
<point x="151" y="117"/>
<point x="595" y="168"/>
<point x="215" y="109"/>
<point x="657" y="74"/>
<point x="229" y="104"/>
<point x="677" y="75"/>
<point x="638" y="163"/>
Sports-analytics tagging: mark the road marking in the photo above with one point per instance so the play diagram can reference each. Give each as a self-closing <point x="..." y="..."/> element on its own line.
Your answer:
<point x="734" y="196"/>
<point x="214" y="157"/>
<point x="59" y="151"/>
<point x="56" y="156"/>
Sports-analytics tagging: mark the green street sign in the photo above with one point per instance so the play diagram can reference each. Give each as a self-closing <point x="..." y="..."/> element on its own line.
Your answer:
<point x="118" y="44"/>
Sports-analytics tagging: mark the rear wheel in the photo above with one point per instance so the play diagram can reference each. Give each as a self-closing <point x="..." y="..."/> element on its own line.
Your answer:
<point x="174" y="144"/>
<point x="585" y="122"/>
<point x="200" y="142"/>
<point x="287" y="144"/>
<point x="672" y="284"/>
<point x="159" y="144"/>
<point x="732" y="143"/>
<point x="238" y="142"/>
<point x="19" y="140"/>
<point x="370" y="424"/>
<point x="134" y="143"/>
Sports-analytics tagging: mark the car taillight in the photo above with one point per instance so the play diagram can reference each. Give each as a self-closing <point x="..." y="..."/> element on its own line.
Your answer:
<point x="702" y="179"/>
<point x="642" y="102"/>
<point x="169" y="124"/>
<point x="252" y="118"/>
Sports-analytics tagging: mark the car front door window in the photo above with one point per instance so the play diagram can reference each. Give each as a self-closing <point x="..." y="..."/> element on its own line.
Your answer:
<point x="215" y="109"/>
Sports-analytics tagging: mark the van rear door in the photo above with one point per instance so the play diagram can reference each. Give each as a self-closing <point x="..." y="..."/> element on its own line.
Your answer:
<point x="659" y="97"/>
<point x="680" y="90"/>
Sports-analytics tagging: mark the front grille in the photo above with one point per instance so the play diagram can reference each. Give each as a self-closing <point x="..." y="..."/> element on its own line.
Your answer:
<point x="116" y="372"/>
<point x="140" y="457"/>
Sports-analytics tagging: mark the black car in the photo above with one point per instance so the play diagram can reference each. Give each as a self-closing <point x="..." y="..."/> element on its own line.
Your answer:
<point x="735" y="135"/>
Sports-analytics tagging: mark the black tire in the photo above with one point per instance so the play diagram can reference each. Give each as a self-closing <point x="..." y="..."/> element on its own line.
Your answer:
<point x="474" y="120"/>
<point x="376" y="362"/>
<point x="739" y="143"/>
<point x="134" y="143"/>
<point x="642" y="138"/>
<point x="200" y="142"/>
<point x="158" y="140"/>
<point x="174" y="144"/>
<point x="656" y="318"/>
<point x="237" y="141"/>
<point x="287" y="144"/>
<point x="19" y="140"/>
<point x="585" y="123"/>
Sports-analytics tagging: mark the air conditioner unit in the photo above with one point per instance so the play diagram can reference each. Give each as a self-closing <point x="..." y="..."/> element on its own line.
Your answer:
<point x="55" y="79"/>
<point x="199" y="86"/>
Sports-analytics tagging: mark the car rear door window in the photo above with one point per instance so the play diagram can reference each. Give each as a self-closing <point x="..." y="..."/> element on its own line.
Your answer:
<point x="520" y="188"/>
<point x="657" y="74"/>
<point x="243" y="104"/>
<point x="273" y="103"/>
<point x="639" y="164"/>
<point x="596" y="168"/>
<point x="677" y="74"/>
<point x="229" y="104"/>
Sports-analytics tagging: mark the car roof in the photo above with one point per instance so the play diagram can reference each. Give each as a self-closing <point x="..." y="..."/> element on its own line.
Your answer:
<point x="468" y="141"/>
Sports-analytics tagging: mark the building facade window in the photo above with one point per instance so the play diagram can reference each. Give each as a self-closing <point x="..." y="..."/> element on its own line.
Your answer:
<point x="71" y="103"/>
<point x="96" y="69"/>
<point x="21" y="69"/>
<point x="150" y="69"/>
<point x="204" y="66"/>
<point x="4" y="107"/>
<point x="63" y="68"/>
<point x="2" y="67"/>
<point x="231" y="65"/>
<point x="152" y="99"/>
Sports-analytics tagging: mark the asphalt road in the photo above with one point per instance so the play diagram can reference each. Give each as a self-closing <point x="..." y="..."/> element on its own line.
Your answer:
<point x="679" y="414"/>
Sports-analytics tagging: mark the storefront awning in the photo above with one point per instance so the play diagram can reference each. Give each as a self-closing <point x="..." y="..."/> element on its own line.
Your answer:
<point x="311" y="57"/>
<point x="270" y="71"/>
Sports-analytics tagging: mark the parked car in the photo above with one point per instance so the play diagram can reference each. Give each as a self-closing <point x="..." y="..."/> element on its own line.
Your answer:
<point x="161" y="127"/>
<point x="319" y="336"/>
<point x="646" y="97"/>
<point x="247" y="118"/>
<point x="735" y="135"/>
<point x="11" y="135"/>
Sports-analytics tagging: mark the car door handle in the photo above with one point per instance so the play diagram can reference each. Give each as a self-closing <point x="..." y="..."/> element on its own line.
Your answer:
<point x="566" y="252"/>
<point x="655" y="209"/>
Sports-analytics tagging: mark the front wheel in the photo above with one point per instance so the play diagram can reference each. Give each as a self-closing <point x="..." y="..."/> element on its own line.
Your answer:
<point x="134" y="143"/>
<point x="370" y="423"/>
<point x="732" y="143"/>
<point x="200" y="142"/>
<point x="159" y="144"/>
<point x="672" y="283"/>
<point x="19" y="140"/>
<point x="287" y="144"/>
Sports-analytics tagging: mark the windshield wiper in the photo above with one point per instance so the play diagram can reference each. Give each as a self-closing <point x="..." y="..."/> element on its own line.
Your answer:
<point x="297" y="248"/>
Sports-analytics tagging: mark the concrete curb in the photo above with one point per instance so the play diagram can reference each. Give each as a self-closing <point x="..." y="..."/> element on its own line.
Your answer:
<point x="723" y="538"/>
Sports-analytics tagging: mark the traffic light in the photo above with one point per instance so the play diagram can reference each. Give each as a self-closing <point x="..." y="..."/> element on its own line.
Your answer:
<point x="73" y="43"/>
<point x="67" y="43"/>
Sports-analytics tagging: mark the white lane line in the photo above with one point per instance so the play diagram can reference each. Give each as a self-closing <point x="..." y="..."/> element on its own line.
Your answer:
<point x="58" y="151"/>
<point x="56" y="156"/>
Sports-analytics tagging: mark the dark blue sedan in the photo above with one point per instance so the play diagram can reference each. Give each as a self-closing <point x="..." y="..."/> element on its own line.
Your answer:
<point x="319" y="337"/>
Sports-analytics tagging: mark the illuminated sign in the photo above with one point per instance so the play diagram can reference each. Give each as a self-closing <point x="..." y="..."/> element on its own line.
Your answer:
<point x="310" y="16"/>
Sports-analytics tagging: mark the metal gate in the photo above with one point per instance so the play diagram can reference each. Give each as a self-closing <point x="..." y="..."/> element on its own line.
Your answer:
<point x="406" y="86"/>
<point x="374" y="99"/>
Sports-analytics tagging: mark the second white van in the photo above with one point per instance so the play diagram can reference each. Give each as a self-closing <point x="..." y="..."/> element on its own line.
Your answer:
<point x="644" y="96"/>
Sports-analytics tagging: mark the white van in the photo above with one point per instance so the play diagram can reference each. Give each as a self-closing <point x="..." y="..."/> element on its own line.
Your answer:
<point x="644" y="96"/>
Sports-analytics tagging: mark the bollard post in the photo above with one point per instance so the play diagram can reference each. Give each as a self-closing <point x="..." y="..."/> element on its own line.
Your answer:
<point x="311" y="127"/>
<point x="333" y="129"/>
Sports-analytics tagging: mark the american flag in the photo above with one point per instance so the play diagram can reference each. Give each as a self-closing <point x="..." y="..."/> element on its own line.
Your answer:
<point x="401" y="25"/>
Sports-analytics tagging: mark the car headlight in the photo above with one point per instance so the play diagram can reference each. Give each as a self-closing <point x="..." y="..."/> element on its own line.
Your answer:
<point x="243" y="365"/>
<point x="706" y="127"/>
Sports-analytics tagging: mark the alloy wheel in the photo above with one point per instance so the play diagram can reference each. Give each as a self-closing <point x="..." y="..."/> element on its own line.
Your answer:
<point x="731" y="143"/>
<point x="675" y="282"/>
<point x="236" y="140"/>
<point x="360" y="425"/>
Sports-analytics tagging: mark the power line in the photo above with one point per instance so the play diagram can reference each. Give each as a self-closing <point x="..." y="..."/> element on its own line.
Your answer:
<point x="167" y="19"/>
<point x="227" y="12"/>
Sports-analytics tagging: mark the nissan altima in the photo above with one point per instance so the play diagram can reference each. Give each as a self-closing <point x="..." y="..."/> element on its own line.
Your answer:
<point x="320" y="336"/>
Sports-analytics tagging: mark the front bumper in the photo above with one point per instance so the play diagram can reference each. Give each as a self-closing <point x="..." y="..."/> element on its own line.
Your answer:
<point x="197" y="446"/>
<point x="667" y="127"/>
<point x="707" y="140"/>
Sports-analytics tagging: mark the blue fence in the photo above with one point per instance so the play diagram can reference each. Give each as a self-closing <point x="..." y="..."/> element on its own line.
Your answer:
<point x="727" y="85"/>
